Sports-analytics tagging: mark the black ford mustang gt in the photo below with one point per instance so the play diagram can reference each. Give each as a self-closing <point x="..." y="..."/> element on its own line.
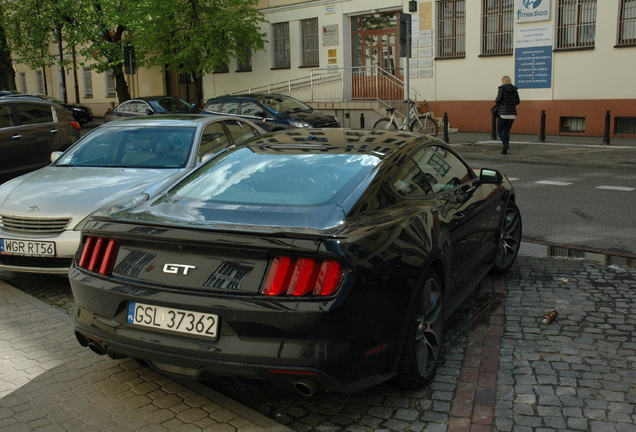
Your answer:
<point x="315" y="259"/>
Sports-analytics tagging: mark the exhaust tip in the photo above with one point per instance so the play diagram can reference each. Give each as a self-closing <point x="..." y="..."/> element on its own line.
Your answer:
<point x="96" y="348"/>
<point x="305" y="387"/>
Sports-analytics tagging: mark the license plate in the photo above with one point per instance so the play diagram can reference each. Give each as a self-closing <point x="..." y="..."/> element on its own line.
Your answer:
<point x="177" y="320"/>
<point x="27" y="248"/>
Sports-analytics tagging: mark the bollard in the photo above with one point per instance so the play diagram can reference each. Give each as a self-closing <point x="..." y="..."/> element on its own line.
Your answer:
<point x="493" y="130"/>
<point x="606" y="138"/>
<point x="361" y="120"/>
<point x="446" y="140"/>
<point x="542" y="132"/>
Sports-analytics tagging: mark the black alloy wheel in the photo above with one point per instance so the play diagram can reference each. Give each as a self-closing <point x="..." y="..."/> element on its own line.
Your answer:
<point x="423" y="346"/>
<point x="509" y="240"/>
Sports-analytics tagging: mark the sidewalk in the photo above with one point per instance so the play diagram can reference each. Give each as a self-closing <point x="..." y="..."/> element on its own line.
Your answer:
<point x="48" y="382"/>
<point x="556" y="150"/>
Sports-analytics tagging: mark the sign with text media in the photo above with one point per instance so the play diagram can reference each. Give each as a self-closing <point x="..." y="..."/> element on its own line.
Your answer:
<point x="532" y="10"/>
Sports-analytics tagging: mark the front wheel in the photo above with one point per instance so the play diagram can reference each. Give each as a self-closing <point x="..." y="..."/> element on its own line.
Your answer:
<point x="424" y="125"/>
<point x="423" y="346"/>
<point x="509" y="240"/>
<point x="384" y="123"/>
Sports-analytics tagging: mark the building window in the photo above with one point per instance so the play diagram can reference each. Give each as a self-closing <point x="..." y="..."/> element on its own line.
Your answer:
<point x="110" y="85"/>
<point x="572" y="124"/>
<point x="280" y="41"/>
<point x="451" y="28"/>
<point x="22" y="82"/>
<point x="309" y="41"/>
<point x="576" y="23"/>
<point x="627" y="23"/>
<point x="244" y="60"/>
<point x="222" y="68"/>
<point x="497" y="25"/>
<point x="88" y="82"/>
<point x="625" y="126"/>
<point x="39" y="82"/>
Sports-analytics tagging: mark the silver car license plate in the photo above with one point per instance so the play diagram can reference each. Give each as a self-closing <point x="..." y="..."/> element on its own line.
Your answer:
<point x="177" y="320"/>
<point x="27" y="248"/>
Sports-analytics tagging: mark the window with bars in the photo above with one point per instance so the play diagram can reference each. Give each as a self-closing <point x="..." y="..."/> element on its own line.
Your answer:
<point x="222" y="68"/>
<point x="244" y="60"/>
<point x="497" y="27"/>
<point x="39" y="82"/>
<point x="280" y="42"/>
<point x="451" y="28"/>
<point x="22" y="85"/>
<point x="576" y="23"/>
<point x="309" y="42"/>
<point x="110" y="85"/>
<point x="88" y="82"/>
<point x="627" y="23"/>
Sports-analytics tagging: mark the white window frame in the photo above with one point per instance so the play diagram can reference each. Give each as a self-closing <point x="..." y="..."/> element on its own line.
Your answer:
<point x="87" y="77"/>
<point x="309" y="41"/>
<point x="281" y="48"/>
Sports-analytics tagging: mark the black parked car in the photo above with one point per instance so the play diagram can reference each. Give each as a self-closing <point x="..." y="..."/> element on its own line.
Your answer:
<point x="81" y="113"/>
<point x="30" y="130"/>
<point x="151" y="105"/>
<point x="273" y="111"/>
<point x="315" y="259"/>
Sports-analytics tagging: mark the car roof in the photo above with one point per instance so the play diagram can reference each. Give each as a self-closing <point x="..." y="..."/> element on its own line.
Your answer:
<point x="379" y="142"/>
<point x="169" y="120"/>
<point x="153" y="98"/>
<point x="36" y="100"/>
<point x="257" y="96"/>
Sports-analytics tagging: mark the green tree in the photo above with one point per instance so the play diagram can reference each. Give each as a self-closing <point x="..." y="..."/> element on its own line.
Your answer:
<point x="7" y="73"/>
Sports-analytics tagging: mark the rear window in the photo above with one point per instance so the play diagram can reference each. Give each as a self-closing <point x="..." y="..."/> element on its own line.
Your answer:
<point x="264" y="176"/>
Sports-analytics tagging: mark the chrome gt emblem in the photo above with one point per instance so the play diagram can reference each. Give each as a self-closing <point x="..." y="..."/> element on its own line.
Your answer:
<point x="178" y="268"/>
<point x="33" y="208"/>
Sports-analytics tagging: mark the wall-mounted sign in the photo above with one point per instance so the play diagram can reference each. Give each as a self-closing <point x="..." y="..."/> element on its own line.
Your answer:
<point x="532" y="10"/>
<point x="330" y="35"/>
<point x="330" y="9"/>
<point x="533" y="57"/>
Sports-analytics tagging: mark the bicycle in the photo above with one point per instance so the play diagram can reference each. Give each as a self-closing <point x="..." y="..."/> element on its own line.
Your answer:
<point x="421" y="122"/>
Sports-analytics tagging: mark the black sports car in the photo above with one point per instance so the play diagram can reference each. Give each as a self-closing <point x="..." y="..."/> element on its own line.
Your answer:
<point x="315" y="259"/>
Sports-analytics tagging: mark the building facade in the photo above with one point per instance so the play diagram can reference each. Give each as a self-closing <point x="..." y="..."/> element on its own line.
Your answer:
<point x="572" y="60"/>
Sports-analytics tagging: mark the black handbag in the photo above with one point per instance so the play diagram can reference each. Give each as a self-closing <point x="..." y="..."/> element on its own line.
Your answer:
<point x="495" y="110"/>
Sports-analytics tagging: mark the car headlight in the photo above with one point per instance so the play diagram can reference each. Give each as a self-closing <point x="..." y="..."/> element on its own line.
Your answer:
<point x="121" y="204"/>
<point x="300" y="124"/>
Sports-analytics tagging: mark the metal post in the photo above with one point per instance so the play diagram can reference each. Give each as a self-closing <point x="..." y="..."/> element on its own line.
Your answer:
<point x="606" y="137"/>
<point x="542" y="132"/>
<point x="446" y="140"/>
<point x="493" y="129"/>
<point x="361" y="120"/>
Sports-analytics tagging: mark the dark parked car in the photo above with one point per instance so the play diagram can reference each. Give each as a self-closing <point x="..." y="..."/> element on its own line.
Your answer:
<point x="9" y="92"/>
<point x="81" y="113"/>
<point x="117" y="164"/>
<point x="315" y="259"/>
<point x="273" y="111"/>
<point x="150" y="105"/>
<point x="30" y="130"/>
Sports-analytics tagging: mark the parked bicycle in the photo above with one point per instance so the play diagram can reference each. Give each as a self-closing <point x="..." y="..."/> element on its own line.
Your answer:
<point x="416" y="121"/>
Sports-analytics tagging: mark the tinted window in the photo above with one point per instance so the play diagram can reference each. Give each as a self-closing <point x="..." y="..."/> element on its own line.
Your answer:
<point x="285" y="104"/>
<point x="33" y="114"/>
<point x="431" y="170"/>
<point x="250" y="175"/>
<point x="213" y="140"/>
<point x="6" y="119"/>
<point x="213" y="107"/>
<point x="249" y="108"/>
<point x="239" y="130"/>
<point x="128" y="107"/>
<point x="230" y="107"/>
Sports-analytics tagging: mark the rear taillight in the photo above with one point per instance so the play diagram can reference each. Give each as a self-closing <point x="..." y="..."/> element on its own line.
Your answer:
<point x="98" y="255"/>
<point x="302" y="276"/>
<point x="75" y="124"/>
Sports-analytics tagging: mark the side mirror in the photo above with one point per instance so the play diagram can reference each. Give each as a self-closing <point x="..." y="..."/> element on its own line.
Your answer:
<point x="56" y="155"/>
<point x="490" y="176"/>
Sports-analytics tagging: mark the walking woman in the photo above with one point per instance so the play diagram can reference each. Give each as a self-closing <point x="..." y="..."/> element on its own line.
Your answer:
<point x="507" y="101"/>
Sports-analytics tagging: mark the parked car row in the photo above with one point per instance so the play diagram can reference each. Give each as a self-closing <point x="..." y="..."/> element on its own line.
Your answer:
<point x="313" y="258"/>
<point x="81" y="113"/>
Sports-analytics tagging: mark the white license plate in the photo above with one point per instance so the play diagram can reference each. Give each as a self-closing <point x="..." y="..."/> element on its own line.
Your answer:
<point x="27" y="248"/>
<point x="182" y="321"/>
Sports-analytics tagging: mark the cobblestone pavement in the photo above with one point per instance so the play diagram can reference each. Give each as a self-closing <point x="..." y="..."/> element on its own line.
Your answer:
<point x="502" y="369"/>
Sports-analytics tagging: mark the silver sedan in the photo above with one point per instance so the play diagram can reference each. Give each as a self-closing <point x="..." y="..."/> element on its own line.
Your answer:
<point x="118" y="165"/>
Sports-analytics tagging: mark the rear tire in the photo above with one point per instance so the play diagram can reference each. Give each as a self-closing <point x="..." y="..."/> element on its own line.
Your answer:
<point x="423" y="346"/>
<point x="424" y="125"/>
<point x="509" y="240"/>
<point x="384" y="123"/>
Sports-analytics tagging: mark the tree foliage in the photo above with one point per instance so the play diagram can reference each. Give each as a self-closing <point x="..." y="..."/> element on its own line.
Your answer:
<point x="183" y="36"/>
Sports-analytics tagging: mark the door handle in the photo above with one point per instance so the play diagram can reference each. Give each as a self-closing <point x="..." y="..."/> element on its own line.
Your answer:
<point x="17" y="136"/>
<point x="54" y="130"/>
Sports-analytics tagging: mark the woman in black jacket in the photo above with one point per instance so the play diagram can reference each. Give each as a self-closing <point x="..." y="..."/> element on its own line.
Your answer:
<point x="507" y="101"/>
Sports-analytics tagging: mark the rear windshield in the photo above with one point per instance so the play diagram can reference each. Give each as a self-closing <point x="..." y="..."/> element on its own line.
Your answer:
<point x="252" y="176"/>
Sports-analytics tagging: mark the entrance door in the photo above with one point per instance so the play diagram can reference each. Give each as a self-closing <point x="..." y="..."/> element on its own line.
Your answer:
<point x="375" y="43"/>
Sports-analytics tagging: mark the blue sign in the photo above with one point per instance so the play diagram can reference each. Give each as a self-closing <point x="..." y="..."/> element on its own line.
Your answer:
<point x="533" y="67"/>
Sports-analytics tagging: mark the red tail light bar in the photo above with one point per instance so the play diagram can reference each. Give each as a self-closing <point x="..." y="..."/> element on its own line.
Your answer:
<point x="75" y="124"/>
<point x="98" y="255"/>
<point x="302" y="276"/>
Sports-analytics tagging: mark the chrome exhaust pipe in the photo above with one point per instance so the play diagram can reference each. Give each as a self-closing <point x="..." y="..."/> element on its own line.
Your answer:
<point x="305" y="387"/>
<point x="96" y="348"/>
